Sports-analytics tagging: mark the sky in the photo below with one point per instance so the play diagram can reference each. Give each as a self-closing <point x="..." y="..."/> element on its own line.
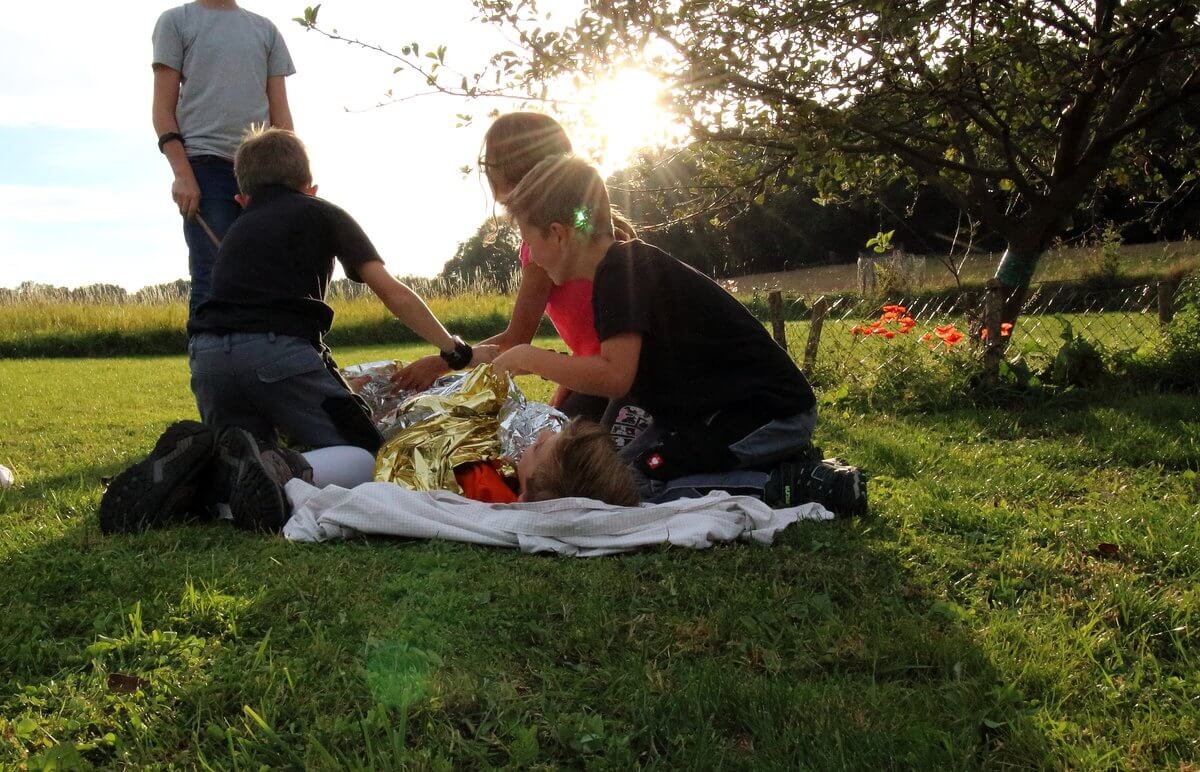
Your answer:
<point x="85" y="194"/>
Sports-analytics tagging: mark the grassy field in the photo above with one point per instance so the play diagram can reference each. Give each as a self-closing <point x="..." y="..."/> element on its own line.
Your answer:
<point x="1024" y="595"/>
<point x="1138" y="261"/>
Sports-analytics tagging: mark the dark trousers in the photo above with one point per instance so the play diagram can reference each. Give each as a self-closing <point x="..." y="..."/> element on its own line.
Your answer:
<point x="218" y="186"/>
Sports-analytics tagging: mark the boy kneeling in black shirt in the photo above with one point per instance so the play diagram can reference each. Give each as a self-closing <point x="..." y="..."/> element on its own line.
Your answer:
<point x="259" y="365"/>
<point x="723" y="395"/>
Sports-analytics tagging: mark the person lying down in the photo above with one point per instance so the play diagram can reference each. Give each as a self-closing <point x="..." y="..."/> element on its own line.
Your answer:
<point x="191" y="475"/>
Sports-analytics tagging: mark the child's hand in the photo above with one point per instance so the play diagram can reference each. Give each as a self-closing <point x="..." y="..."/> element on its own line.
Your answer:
<point x="483" y="353"/>
<point x="514" y="361"/>
<point x="421" y="374"/>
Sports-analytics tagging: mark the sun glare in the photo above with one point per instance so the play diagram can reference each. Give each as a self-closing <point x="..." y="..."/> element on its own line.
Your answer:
<point x="624" y="114"/>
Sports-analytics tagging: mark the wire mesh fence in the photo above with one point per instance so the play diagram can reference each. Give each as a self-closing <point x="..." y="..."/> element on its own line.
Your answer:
<point x="831" y="335"/>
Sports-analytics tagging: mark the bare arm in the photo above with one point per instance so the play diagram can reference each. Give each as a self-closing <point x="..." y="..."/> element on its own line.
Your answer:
<point x="277" y="103"/>
<point x="528" y="308"/>
<point x="184" y="190"/>
<point x="407" y="305"/>
<point x="608" y="374"/>
<point x="526" y="316"/>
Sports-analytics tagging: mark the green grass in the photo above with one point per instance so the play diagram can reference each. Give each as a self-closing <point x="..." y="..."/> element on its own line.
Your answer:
<point x="94" y="329"/>
<point x="972" y="622"/>
<point x="1138" y="262"/>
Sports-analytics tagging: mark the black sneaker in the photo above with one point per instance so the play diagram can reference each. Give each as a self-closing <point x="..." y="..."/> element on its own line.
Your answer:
<point x="161" y="488"/>
<point x="249" y="479"/>
<point x="832" y="483"/>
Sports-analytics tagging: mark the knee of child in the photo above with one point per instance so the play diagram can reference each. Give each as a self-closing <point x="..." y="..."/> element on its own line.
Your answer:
<point x="342" y="465"/>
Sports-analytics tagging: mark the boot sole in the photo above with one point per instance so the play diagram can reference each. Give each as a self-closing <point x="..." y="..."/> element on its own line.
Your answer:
<point x="255" y="501"/>
<point x="161" y="488"/>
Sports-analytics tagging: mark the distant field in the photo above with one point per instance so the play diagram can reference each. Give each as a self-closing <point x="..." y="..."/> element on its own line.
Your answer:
<point x="1137" y="260"/>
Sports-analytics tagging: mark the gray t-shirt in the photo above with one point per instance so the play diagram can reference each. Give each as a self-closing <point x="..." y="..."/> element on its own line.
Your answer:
<point x="225" y="57"/>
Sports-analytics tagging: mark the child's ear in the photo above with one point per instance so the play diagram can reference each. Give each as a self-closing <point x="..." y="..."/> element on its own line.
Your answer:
<point x="242" y="199"/>
<point x="311" y="190"/>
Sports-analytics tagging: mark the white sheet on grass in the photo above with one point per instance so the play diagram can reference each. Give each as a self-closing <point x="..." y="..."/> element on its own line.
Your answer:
<point x="579" y="527"/>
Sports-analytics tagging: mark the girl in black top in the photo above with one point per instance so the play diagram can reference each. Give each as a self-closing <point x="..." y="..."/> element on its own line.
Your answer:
<point x="723" y="394"/>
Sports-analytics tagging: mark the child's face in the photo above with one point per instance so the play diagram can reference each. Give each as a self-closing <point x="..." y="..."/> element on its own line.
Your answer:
<point x="550" y="248"/>
<point x="541" y="449"/>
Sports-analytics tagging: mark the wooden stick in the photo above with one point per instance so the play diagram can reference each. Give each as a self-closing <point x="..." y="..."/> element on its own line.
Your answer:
<point x="1166" y="302"/>
<point x="819" y="311"/>
<point x="778" y="330"/>
<point x="993" y="347"/>
<point x="212" y="236"/>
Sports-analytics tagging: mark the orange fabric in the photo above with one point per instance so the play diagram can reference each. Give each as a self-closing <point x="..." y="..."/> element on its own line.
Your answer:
<point x="482" y="481"/>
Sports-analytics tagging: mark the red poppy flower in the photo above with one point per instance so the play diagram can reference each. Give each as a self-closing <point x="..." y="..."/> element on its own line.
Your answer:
<point x="888" y="334"/>
<point x="944" y="329"/>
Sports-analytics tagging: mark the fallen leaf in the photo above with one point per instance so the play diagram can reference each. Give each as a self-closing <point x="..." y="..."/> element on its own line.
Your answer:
<point x="120" y="683"/>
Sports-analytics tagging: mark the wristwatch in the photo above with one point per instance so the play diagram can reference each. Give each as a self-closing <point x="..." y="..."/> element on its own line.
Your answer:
<point x="460" y="356"/>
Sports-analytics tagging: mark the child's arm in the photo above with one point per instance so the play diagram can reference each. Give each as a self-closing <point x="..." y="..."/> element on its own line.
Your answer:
<point x="526" y="316"/>
<point x="184" y="190"/>
<point x="609" y="374"/>
<point x="407" y="305"/>
<point x="277" y="103"/>
<point x="528" y="308"/>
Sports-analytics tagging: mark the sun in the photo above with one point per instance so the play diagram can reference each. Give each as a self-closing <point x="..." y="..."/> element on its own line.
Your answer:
<point x="624" y="113"/>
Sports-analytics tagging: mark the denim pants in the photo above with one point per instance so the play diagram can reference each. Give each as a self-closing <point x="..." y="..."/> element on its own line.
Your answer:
<point x="218" y="186"/>
<point x="272" y="384"/>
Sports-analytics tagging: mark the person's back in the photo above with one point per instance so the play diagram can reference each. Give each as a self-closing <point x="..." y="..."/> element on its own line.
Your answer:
<point x="275" y="265"/>
<point x="702" y="351"/>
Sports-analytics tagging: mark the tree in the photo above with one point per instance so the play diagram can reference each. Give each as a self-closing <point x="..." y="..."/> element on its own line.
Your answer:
<point x="1014" y="110"/>
<point x="488" y="258"/>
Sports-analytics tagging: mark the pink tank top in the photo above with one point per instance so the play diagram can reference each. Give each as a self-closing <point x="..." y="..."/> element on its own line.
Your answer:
<point x="570" y="310"/>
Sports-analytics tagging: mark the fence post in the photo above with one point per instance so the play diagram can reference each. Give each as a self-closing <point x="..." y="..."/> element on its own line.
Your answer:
<point x="778" y="330"/>
<point x="819" y="310"/>
<point x="1166" y="302"/>
<point x="993" y="348"/>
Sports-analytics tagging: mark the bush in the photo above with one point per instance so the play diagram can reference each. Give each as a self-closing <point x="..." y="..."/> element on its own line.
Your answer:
<point x="915" y="376"/>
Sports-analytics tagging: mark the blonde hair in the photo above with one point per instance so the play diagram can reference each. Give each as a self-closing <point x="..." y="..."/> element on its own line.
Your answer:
<point x="517" y="142"/>
<point x="565" y="190"/>
<point x="585" y="464"/>
<point x="271" y="157"/>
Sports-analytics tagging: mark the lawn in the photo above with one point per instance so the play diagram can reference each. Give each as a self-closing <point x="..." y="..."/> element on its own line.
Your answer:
<point x="1024" y="595"/>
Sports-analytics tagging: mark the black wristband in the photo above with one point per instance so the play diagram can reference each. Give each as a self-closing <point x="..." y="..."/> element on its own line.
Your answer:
<point x="460" y="356"/>
<point x="170" y="136"/>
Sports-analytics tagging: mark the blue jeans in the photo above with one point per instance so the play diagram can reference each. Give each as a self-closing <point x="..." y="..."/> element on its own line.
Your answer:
<point x="272" y="384"/>
<point x="218" y="186"/>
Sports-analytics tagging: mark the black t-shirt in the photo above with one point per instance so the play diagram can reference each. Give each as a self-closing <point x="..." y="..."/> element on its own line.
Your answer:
<point x="275" y="264"/>
<point x="702" y="350"/>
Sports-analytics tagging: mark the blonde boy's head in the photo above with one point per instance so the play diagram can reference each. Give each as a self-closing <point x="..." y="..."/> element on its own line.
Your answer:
<point x="271" y="157"/>
<point x="583" y="462"/>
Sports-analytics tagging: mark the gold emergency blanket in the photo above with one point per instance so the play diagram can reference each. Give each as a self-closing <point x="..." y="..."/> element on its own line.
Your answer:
<point x="444" y="430"/>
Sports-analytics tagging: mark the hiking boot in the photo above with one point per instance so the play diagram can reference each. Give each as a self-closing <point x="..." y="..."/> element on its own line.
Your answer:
<point x="161" y="488"/>
<point x="832" y="483"/>
<point x="249" y="481"/>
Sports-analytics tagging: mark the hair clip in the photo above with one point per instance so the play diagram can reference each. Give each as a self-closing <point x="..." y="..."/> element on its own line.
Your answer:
<point x="583" y="219"/>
